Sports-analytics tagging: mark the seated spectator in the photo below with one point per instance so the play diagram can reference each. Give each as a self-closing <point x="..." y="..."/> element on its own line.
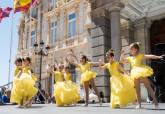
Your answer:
<point x="5" y="98"/>
<point x="1" y="97"/>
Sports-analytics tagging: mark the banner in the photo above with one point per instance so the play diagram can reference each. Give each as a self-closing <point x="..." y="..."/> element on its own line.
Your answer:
<point x="5" y="13"/>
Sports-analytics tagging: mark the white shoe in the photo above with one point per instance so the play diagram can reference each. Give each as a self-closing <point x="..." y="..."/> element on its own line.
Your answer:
<point x="100" y="103"/>
<point x="85" y="105"/>
<point x="138" y="106"/>
<point x="20" y="106"/>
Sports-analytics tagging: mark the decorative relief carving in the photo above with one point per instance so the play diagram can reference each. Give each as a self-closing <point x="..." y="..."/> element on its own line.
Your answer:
<point x="62" y="5"/>
<point x="116" y="6"/>
<point x="88" y="22"/>
<point x="99" y="12"/>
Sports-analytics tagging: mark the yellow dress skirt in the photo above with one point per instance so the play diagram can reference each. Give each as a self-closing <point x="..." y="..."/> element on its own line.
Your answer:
<point x="16" y="92"/>
<point x="122" y="91"/>
<point x="87" y="75"/>
<point x="66" y="93"/>
<point x="26" y="85"/>
<point x="141" y="72"/>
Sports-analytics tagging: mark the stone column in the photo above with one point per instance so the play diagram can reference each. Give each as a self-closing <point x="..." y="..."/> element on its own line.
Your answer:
<point x="48" y="39"/>
<point x="142" y="34"/>
<point x="100" y="44"/>
<point x="39" y="25"/>
<point x="115" y="29"/>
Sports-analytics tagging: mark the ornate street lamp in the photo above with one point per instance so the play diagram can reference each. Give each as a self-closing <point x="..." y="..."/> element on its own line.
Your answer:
<point x="40" y="49"/>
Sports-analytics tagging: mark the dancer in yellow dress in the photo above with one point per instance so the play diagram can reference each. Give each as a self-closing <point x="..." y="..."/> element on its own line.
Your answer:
<point x="28" y="83"/>
<point x="139" y="71"/>
<point x="122" y="87"/>
<point x="58" y="77"/>
<point x="72" y="90"/>
<point x="16" y="91"/>
<point x="58" y="74"/>
<point x="67" y="74"/>
<point x="66" y="92"/>
<point x="87" y="76"/>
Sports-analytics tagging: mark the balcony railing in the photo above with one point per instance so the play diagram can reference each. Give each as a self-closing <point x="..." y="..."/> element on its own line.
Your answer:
<point x="70" y="42"/>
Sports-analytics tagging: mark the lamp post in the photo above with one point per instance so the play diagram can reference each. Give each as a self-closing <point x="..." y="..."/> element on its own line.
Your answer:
<point x="40" y="49"/>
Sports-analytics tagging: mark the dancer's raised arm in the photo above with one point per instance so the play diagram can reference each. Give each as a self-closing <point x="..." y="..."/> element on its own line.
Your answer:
<point x="154" y="57"/>
<point x="71" y="53"/>
<point x="101" y="64"/>
<point x="122" y="58"/>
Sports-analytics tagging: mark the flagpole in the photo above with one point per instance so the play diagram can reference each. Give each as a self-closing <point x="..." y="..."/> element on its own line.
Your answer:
<point x="11" y="44"/>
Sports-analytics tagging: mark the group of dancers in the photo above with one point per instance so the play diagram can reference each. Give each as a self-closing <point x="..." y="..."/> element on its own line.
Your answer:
<point x="125" y="87"/>
<point x="23" y="89"/>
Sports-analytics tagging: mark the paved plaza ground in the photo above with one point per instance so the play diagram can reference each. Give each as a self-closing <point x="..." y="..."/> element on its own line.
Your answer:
<point x="79" y="109"/>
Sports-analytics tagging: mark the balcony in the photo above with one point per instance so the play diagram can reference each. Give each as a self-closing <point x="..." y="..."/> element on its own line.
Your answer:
<point x="67" y="4"/>
<point x="60" y="5"/>
<point x="70" y="42"/>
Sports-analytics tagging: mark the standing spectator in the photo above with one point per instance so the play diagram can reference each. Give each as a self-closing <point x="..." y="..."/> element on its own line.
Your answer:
<point x="72" y="71"/>
<point x="72" y="67"/>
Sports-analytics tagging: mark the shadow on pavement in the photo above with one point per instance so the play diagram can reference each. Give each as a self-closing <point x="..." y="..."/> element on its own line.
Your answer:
<point x="33" y="107"/>
<point x="160" y="109"/>
<point x="96" y="106"/>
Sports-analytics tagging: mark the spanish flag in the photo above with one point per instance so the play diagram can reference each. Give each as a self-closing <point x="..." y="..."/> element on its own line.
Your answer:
<point x="22" y="5"/>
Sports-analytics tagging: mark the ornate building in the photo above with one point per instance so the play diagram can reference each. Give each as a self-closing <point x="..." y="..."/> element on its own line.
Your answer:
<point x="92" y="27"/>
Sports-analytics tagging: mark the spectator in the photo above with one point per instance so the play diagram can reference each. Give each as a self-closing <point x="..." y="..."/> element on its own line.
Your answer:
<point x="1" y="97"/>
<point x="73" y="72"/>
<point x="5" y="98"/>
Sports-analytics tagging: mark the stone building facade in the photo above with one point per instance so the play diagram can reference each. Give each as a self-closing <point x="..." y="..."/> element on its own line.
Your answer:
<point x="92" y="27"/>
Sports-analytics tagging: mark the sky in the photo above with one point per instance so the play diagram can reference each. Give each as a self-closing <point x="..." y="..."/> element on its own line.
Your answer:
<point x="5" y="36"/>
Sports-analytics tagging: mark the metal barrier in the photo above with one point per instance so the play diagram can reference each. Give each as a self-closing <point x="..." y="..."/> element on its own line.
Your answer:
<point x="36" y="96"/>
<point x="6" y="84"/>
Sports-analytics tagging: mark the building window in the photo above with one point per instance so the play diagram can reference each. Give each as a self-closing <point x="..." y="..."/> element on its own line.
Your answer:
<point x="53" y="32"/>
<point x="33" y="37"/>
<point x="34" y="13"/>
<point x="71" y="25"/>
<point x="52" y="2"/>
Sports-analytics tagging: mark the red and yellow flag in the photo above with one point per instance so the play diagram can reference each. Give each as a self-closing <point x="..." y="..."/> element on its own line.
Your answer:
<point x="22" y="5"/>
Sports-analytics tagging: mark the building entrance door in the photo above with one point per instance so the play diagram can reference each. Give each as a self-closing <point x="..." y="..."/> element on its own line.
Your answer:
<point x="158" y="48"/>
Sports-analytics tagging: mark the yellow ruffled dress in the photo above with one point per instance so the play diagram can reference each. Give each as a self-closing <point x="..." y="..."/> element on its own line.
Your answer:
<point x="27" y="84"/>
<point x="16" y="91"/>
<point x="67" y="76"/>
<point x="87" y="74"/>
<point x="138" y="69"/>
<point x="122" y="87"/>
<point x="65" y="92"/>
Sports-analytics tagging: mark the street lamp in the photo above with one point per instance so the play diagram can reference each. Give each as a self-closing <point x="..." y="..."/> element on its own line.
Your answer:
<point x="40" y="49"/>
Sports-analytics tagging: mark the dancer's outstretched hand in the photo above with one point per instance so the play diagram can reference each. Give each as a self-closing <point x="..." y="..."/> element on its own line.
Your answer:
<point x="122" y="51"/>
<point x="100" y="60"/>
<point x="162" y="56"/>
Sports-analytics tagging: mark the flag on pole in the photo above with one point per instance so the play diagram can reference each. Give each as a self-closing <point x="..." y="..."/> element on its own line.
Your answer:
<point x="5" y="13"/>
<point x="24" y="5"/>
<point x="1" y="13"/>
<point x="21" y="5"/>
